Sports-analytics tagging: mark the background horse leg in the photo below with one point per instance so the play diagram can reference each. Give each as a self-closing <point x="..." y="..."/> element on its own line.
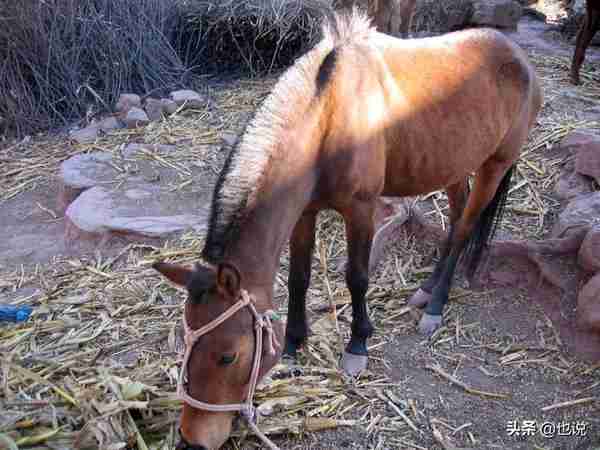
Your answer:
<point x="360" y="228"/>
<point x="302" y="242"/>
<point x="474" y="228"/>
<point x="591" y="24"/>
<point x="457" y="199"/>
<point x="407" y="11"/>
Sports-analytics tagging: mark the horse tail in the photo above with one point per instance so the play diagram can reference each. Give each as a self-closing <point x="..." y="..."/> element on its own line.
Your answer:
<point x="486" y="226"/>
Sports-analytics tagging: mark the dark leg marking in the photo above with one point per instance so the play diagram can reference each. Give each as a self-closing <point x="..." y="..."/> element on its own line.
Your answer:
<point x="302" y="244"/>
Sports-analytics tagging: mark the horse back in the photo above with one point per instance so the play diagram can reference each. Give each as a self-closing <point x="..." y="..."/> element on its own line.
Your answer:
<point x="430" y="109"/>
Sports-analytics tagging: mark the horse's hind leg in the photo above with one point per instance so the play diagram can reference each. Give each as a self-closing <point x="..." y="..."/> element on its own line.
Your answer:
<point x="360" y="228"/>
<point x="457" y="198"/>
<point x="590" y="25"/>
<point x="302" y="243"/>
<point x="473" y="229"/>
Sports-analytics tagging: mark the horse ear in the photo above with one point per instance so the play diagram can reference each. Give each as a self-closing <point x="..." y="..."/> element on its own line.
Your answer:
<point x="229" y="279"/>
<point x="175" y="273"/>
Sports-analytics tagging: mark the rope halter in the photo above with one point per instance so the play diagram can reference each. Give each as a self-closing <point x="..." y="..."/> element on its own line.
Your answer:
<point x="262" y="323"/>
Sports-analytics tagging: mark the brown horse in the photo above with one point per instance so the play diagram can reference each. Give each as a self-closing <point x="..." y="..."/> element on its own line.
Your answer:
<point x="361" y="115"/>
<point x="591" y="24"/>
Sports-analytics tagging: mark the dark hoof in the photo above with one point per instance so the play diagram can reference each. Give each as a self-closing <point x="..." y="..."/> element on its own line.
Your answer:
<point x="429" y="324"/>
<point x="419" y="299"/>
<point x="353" y="364"/>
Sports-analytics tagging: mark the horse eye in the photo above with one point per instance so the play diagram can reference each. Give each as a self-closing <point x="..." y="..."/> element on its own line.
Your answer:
<point x="227" y="359"/>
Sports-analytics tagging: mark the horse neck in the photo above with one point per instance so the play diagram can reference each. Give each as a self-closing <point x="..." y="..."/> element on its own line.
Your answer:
<point x="267" y="227"/>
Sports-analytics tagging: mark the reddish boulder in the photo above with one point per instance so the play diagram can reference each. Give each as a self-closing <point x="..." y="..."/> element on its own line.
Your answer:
<point x="128" y="101"/>
<point x="169" y="106"/>
<point x="589" y="253"/>
<point x="582" y="213"/>
<point x="154" y="108"/>
<point x="570" y="184"/>
<point x="136" y="117"/>
<point x="588" y="305"/>
<point x="588" y="159"/>
<point x="577" y="140"/>
<point x="189" y="98"/>
<point x="110" y="123"/>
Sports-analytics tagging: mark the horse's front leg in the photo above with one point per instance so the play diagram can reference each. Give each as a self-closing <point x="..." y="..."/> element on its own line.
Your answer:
<point x="360" y="227"/>
<point x="302" y="243"/>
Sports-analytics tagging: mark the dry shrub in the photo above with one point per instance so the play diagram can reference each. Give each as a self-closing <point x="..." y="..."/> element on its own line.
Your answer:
<point x="63" y="59"/>
<point x="252" y="36"/>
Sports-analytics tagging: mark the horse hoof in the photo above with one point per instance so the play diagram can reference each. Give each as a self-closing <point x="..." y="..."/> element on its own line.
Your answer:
<point x="354" y="364"/>
<point x="429" y="323"/>
<point x="419" y="299"/>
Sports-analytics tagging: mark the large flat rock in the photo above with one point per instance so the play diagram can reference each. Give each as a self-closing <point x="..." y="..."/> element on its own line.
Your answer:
<point x="140" y="190"/>
<point x="137" y="209"/>
<point x="581" y="213"/>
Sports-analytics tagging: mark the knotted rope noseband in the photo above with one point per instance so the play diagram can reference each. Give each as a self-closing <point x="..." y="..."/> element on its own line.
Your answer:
<point x="262" y="323"/>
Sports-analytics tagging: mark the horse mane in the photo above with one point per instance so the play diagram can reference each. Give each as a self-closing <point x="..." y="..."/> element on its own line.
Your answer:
<point x="241" y="178"/>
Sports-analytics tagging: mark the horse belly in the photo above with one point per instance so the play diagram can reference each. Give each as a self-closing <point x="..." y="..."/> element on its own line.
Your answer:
<point x="427" y="162"/>
<point x="403" y="183"/>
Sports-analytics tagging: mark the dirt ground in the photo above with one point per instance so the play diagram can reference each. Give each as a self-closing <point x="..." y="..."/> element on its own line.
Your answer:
<point x="496" y="340"/>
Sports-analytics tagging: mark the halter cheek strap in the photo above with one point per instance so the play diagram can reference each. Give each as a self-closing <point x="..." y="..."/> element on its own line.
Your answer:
<point x="262" y="324"/>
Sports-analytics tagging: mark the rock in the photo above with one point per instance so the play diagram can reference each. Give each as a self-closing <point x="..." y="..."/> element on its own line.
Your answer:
<point x="581" y="213"/>
<point x="140" y="210"/>
<point x="82" y="172"/>
<point x="169" y="106"/>
<point x="570" y="184"/>
<point x="588" y="159"/>
<point x="588" y="305"/>
<point x="577" y="140"/>
<point x="131" y="195"/>
<point x="154" y="108"/>
<point x="85" y="135"/>
<point x="109" y="124"/>
<point x="496" y="13"/>
<point x="128" y="101"/>
<point x="189" y="98"/>
<point x="589" y="253"/>
<point x="136" y="117"/>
